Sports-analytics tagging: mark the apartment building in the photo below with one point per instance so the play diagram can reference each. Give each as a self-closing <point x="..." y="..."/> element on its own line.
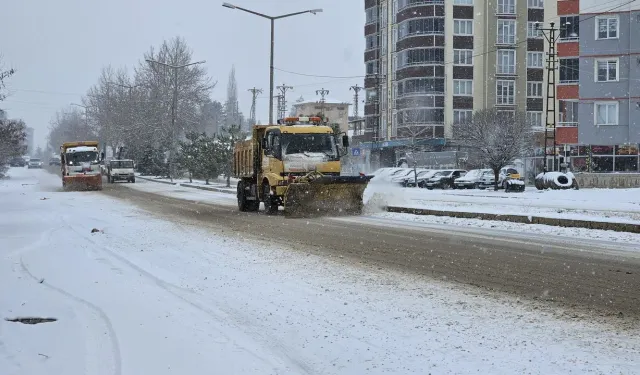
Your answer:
<point x="431" y="63"/>
<point x="599" y="84"/>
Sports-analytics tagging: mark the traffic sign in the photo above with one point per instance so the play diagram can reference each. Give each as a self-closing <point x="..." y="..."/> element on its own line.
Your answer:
<point x="355" y="151"/>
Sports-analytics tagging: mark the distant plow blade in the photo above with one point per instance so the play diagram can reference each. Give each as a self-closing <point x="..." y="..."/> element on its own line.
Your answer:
<point x="325" y="196"/>
<point x="82" y="183"/>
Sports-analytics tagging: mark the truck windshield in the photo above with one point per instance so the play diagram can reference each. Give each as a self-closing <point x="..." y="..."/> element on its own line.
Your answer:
<point x="122" y="164"/>
<point x="308" y="143"/>
<point x="77" y="158"/>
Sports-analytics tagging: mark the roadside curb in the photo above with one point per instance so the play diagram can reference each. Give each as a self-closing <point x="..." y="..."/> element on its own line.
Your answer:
<point x="567" y="223"/>
<point x="188" y="185"/>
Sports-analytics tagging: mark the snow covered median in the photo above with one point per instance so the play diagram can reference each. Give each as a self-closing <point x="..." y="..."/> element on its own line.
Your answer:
<point x="147" y="296"/>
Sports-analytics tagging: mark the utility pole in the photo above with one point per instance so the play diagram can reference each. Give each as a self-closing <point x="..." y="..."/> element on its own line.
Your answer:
<point x="282" y="100"/>
<point x="322" y="94"/>
<point x="173" y="107"/>
<point x="550" y="121"/>
<point x="279" y="100"/>
<point x="356" y="91"/>
<point x="254" y="96"/>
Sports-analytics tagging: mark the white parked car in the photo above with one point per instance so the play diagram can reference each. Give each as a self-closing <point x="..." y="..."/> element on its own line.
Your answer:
<point x="472" y="179"/>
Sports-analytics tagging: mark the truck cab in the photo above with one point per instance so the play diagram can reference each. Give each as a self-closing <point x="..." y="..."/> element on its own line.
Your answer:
<point x="120" y="170"/>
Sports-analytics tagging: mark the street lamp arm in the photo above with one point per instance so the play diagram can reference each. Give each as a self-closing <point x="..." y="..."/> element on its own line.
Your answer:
<point x="312" y="11"/>
<point x="227" y="5"/>
<point x="193" y="63"/>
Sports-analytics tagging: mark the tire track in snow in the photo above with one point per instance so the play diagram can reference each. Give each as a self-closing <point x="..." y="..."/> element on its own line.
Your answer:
<point x="115" y="346"/>
<point x="213" y="312"/>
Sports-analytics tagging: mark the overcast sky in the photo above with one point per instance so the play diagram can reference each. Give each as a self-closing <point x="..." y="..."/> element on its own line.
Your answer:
<point x="59" y="47"/>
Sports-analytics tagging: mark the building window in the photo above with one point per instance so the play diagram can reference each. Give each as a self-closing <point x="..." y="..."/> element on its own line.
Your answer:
<point x="463" y="57"/>
<point x="462" y="2"/>
<point x="534" y="119"/>
<point x="506" y="32"/>
<point x="421" y="26"/>
<point x="506" y="7"/>
<point x="607" y="70"/>
<point x="461" y="116"/>
<point x="505" y="92"/>
<point x="533" y="31"/>
<point x="534" y="60"/>
<point x="534" y="89"/>
<point x="568" y="115"/>
<point x="371" y="42"/>
<point x="569" y="71"/>
<point x="506" y="63"/>
<point x="569" y="27"/>
<point x="372" y="67"/>
<point x="607" y="27"/>
<point x="420" y="56"/>
<point x="535" y="4"/>
<point x="462" y="27"/>
<point x="420" y="86"/>
<point x="463" y="87"/>
<point x="371" y="15"/>
<point x="420" y="116"/>
<point x="371" y="95"/>
<point x="606" y="113"/>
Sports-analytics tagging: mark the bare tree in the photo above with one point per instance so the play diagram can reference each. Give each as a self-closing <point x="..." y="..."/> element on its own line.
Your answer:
<point x="69" y="125"/>
<point x="495" y="138"/>
<point x="4" y="74"/>
<point x="12" y="141"/>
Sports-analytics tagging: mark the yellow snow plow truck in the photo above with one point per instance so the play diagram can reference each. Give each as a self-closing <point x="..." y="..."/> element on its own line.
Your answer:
<point x="80" y="164"/>
<point x="296" y="164"/>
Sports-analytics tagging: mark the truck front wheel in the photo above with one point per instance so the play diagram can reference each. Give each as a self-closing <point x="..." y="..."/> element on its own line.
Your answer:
<point x="270" y="202"/>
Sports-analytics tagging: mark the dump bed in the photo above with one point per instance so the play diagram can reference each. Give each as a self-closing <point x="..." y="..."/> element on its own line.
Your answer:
<point x="243" y="159"/>
<point x="67" y="145"/>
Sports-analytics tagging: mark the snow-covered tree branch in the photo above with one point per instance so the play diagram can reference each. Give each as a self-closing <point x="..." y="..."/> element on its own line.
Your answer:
<point x="495" y="138"/>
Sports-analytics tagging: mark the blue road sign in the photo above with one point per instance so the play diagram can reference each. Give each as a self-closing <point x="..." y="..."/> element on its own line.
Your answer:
<point x="355" y="151"/>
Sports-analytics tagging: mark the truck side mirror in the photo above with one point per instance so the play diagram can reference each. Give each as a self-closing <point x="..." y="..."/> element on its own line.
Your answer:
<point x="264" y="143"/>
<point x="102" y="156"/>
<point x="345" y="141"/>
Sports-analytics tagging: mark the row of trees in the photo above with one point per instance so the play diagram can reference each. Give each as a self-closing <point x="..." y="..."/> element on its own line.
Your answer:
<point x="148" y="112"/>
<point x="12" y="132"/>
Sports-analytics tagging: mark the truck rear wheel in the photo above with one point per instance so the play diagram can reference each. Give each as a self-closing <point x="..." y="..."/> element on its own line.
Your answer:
<point x="244" y="204"/>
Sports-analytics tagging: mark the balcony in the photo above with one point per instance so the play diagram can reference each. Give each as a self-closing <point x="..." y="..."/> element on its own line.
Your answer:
<point x="420" y="3"/>
<point x="568" y="124"/>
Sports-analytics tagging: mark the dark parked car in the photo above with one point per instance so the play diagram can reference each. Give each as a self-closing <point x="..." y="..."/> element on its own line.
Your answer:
<point x="18" y="162"/>
<point x="445" y="179"/>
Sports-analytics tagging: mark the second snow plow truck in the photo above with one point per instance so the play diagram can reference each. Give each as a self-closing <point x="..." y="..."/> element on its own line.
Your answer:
<point x="79" y="162"/>
<point x="296" y="164"/>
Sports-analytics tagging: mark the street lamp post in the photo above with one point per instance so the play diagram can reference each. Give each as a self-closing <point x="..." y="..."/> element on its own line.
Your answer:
<point x="131" y="105"/>
<point x="174" y="105"/>
<point x="272" y="19"/>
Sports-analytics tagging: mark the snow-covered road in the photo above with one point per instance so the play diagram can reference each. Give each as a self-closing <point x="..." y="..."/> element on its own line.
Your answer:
<point x="145" y="295"/>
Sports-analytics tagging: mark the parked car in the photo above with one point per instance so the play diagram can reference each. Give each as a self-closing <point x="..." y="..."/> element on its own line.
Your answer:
<point x="18" y="162"/>
<point x="506" y="173"/>
<point x="403" y="177"/>
<point x="445" y="179"/>
<point x="34" y="163"/>
<point x="486" y="180"/>
<point x="387" y="174"/>
<point x="471" y="180"/>
<point x="423" y="177"/>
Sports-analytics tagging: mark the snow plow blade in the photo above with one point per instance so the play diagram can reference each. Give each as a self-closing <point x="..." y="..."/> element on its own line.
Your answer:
<point x="325" y="196"/>
<point x="82" y="183"/>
